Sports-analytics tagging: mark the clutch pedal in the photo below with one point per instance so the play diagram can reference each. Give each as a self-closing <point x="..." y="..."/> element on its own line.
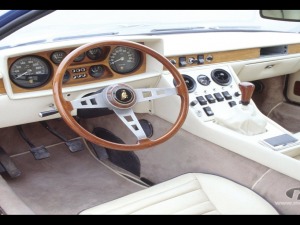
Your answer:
<point x="73" y="145"/>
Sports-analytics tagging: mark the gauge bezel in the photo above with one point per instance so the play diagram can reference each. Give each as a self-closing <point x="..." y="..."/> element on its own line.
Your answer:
<point x="91" y="57"/>
<point x="94" y="75"/>
<point x="187" y="77"/>
<point x="82" y="57"/>
<point x="201" y="77"/>
<point x="56" y="62"/>
<point x="136" y="66"/>
<point x="49" y="75"/>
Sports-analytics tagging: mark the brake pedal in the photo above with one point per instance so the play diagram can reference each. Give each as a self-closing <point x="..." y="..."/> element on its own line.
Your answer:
<point x="38" y="152"/>
<point x="73" y="145"/>
<point x="6" y="164"/>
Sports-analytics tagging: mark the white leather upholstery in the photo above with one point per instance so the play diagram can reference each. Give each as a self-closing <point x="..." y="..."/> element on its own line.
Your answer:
<point x="193" y="193"/>
<point x="243" y="119"/>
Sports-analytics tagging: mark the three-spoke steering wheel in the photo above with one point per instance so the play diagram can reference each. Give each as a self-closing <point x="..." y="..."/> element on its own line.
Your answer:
<point x="120" y="98"/>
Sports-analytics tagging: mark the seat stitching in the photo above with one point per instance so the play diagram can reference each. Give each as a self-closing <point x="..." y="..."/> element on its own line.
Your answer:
<point x="172" y="188"/>
<point x="205" y="193"/>
<point x="170" y="199"/>
<point x="198" y="204"/>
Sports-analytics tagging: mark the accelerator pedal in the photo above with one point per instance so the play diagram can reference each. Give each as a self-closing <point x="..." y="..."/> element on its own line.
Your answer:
<point x="6" y="164"/>
<point x="73" y="145"/>
<point x="38" y="152"/>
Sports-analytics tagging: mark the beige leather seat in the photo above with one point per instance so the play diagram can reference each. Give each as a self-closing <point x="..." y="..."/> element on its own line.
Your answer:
<point x="193" y="193"/>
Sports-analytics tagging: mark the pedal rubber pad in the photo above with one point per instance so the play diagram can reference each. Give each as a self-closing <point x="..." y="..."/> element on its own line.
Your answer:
<point x="40" y="152"/>
<point x="8" y="164"/>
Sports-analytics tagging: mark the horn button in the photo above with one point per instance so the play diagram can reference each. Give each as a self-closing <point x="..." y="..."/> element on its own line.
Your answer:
<point x="121" y="96"/>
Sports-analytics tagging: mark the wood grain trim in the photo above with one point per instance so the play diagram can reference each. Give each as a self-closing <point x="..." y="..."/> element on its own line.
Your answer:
<point x="294" y="48"/>
<point x="219" y="57"/>
<point x="2" y="88"/>
<point x="86" y="63"/>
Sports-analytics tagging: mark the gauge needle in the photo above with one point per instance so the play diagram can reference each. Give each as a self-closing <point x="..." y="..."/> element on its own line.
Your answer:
<point x="122" y="58"/>
<point x="28" y="71"/>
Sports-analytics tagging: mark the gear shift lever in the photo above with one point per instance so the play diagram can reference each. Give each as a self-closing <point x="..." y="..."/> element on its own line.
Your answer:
<point x="247" y="90"/>
<point x="244" y="118"/>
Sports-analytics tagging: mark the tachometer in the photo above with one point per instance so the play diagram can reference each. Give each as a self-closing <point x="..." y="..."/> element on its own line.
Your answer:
<point x="124" y="59"/>
<point x="30" y="72"/>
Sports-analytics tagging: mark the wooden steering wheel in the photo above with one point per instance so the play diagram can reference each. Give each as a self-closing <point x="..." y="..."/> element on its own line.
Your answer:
<point x="120" y="98"/>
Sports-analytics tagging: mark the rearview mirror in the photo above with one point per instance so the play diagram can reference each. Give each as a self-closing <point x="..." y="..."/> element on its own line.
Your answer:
<point x="283" y="15"/>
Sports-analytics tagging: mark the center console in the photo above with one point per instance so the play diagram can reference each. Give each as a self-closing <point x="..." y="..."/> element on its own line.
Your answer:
<point x="214" y="91"/>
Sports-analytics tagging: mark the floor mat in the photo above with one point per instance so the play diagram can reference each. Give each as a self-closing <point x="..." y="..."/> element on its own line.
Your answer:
<point x="287" y="115"/>
<point x="66" y="183"/>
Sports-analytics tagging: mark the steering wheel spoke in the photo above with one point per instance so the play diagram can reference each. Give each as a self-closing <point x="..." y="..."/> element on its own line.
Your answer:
<point x="89" y="102"/>
<point x="147" y="94"/>
<point x="129" y="119"/>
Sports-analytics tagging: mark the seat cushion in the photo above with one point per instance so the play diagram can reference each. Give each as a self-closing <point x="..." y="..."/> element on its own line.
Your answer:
<point x="192" y="193"/>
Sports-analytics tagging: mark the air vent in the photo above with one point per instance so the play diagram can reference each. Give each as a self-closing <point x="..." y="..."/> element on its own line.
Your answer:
<point x="189" y="81"/>
<point x="274" y="50"/>
<point x="221" y="77"/>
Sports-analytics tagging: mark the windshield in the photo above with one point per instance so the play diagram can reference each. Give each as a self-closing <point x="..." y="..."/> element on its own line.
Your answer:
<point x="68" y="24"/>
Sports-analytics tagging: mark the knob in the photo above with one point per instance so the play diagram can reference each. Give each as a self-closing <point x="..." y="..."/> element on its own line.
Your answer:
<point x="247" y="90"/>
<point x="237" y="94"/>
<point x="209" y="58"/>
<point x="173" y="61"/>
<point x="192" y="60"/>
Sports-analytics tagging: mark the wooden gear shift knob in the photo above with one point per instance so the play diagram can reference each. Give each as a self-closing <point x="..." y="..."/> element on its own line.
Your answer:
<point x="247" y="90"/>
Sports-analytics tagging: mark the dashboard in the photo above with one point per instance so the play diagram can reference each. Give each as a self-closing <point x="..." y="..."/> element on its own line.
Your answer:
<point x="26" y="72"/>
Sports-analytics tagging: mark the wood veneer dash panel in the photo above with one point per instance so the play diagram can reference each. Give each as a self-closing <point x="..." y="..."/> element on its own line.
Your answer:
<point x="86" y="63"/>
<point x="219" y="57"/>
<point x="294" y="48"/>
<point x="2" y="88"/>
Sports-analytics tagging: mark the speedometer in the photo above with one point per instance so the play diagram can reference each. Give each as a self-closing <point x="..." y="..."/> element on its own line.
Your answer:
<point x="124" y="59"/>
<point x="30" y="72"/>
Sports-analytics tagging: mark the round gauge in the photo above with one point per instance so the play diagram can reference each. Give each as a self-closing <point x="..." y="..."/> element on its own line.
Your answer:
<point x="58" y="56"/>
<point x="189" y="82"/>
<point x="30" y="72"/>
<point x="203" y="79"/>
<point x="79" y="58"/>
<point x="124" y="59"/>
<point x="96" y="71"/>
<point x="66" y="77"/>
<point x="94" y="53"/>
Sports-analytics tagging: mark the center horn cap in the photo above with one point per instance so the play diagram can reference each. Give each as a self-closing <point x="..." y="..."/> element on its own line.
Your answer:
<point x="121" y="96"/>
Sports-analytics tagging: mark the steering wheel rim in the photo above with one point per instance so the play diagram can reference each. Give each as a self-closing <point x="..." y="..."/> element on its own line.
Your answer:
<point x="65" y="107"/>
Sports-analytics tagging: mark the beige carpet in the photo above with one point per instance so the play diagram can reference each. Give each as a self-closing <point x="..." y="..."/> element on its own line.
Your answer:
<point x="66" y="183"/>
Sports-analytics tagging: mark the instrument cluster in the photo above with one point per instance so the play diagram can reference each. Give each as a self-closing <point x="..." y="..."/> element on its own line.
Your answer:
<point x="106" y="62"/>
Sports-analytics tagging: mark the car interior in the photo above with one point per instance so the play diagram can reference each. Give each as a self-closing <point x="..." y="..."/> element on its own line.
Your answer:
<point x="175" y="123"/>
